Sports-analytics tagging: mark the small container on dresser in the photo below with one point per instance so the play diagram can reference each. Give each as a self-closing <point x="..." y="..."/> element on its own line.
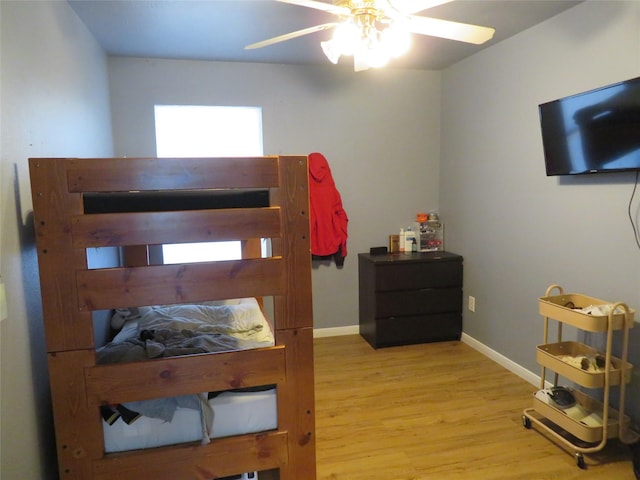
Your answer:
<point x="410" y="298"/>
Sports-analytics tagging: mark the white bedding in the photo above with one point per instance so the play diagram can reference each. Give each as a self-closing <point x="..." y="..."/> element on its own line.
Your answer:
<point x="234" y="414"/>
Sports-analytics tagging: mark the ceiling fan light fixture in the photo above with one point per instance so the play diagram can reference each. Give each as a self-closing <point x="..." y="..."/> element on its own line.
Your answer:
<point x="396" y="39"/>
<point x="331" y="50"/>
<point x="345" y="40"/>
<point x="372" y="57"/>
<point x="347" y="37"/>
<point x="370" y="46"/>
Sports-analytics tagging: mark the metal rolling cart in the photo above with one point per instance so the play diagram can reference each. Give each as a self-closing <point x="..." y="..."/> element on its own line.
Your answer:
<point x="582" y="425"/>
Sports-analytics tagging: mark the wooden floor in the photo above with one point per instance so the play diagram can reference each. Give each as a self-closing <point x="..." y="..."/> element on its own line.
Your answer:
<point x="436" y="411"/>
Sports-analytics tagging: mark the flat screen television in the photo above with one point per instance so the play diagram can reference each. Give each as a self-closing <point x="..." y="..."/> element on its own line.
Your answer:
<point x="593" y="132"/>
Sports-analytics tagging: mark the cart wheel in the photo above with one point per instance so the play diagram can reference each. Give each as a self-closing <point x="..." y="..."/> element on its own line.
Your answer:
<point x="580" y="461"/>
<point x="526" y="422"/>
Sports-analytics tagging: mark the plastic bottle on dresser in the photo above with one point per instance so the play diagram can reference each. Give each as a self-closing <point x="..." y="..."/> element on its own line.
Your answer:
<point x="409" y="241"/>
<point x="401" y="240"/>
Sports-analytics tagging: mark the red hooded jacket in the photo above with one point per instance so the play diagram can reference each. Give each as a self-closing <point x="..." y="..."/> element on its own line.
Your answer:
<point x="328" y="218"/>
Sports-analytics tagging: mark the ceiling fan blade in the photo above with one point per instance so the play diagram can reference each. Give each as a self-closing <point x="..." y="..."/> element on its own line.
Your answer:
<point x="326" y="7"/>
<point x="408" y="7"/>
<point x="289" y="36"/>
<point x="462" y="32"/>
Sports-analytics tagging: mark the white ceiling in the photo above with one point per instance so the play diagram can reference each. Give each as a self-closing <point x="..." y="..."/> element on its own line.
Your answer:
<point x="219" y="29"/>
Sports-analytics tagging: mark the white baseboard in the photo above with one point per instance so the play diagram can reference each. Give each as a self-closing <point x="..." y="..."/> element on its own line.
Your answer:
<point x="336" y="331"/>
<point x="500" y="359"/>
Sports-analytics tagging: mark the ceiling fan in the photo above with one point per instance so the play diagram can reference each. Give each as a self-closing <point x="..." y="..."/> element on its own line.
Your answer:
<point x="373" y="31"/>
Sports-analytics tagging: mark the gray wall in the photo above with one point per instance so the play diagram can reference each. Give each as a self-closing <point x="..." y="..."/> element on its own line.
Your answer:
<point x="55" y="102"/>
<point x="519" y="230"/>
<point x="380" y="132"/>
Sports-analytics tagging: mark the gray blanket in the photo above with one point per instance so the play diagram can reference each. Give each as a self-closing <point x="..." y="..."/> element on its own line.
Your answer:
<point x="165" y="342"/>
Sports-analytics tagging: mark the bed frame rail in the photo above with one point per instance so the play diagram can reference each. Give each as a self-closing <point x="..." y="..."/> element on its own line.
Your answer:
<point x="142" y="174"/>
<point x="196" y="462"/>
<point x="182" y="283"/>
<point x="109" y="229"/>
<point x="113" y="384"/>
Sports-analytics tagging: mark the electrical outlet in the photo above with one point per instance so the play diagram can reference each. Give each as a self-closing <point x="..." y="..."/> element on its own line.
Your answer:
<point x="472" y="303"/>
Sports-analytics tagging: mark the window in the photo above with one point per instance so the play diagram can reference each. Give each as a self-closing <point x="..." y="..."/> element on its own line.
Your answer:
<point x="200" y="252"/>
<point x="206" y="131"/>
<point x="202" y="131"/>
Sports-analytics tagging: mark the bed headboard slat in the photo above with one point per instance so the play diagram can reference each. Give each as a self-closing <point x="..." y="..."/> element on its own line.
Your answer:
<point x="196" y="461"/>
<point x="120" y="229"/>
<point x="113" y="384"/>
<point x="142" y="174"/>
<point x="181" y="283"/>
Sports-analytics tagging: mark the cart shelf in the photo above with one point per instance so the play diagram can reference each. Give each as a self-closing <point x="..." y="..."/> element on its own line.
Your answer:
<point x="584" y="420"/>
<point x="568" y="359"/>
<point x="570" y="308"/>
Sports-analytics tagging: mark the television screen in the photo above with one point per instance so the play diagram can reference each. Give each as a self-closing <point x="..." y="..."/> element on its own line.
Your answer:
<point x="592" y="132"/>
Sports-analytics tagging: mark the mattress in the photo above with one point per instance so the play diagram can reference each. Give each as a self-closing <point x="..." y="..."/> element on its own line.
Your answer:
<point x="235" y="413"/>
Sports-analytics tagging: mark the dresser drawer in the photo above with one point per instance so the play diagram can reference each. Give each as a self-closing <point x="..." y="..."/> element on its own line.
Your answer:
<point x="418" y="329"/>
<point x="418" y="275"/>
<point x="414" y="302"/>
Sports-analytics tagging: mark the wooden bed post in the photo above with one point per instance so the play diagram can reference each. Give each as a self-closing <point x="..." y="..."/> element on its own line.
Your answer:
<point x="294" y="320"/>
<point x="135" y="255"/>
<point x="69" y="331"/>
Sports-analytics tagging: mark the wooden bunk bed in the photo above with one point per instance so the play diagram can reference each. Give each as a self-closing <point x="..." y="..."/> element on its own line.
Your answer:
<point x="71" y="291"/>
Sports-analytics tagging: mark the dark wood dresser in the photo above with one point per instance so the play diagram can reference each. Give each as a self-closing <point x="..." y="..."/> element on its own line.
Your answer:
<point x="410" y="298"/>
